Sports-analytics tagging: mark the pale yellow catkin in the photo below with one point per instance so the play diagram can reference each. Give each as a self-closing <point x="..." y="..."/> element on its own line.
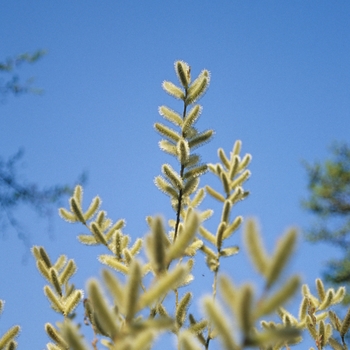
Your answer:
<point x="201" y="138"/>
<point x="168" y="147"/>
<point x="93" y="208"/>
<point x="327" y="301"/>
<point x="132" y="289"/>
<point x="225" y="183"/>
<point x="60" y="263"/>
<point x="165" y="186"/>
<point x="167" y="132"/>
<point x="66" y="215"/>
<point x="165" y="284"/>
<point x="279" y="297"/>
<point x="72" y="302"/>
<point x="173" y="90"/>
<point x="186" y="341"/>
<point x="181" y="310"/>
<point x="170" y="115"/>
<point x="226" y="210"/>
<point x="173" y="176"/>
<point x="198" y="198"/>
<point x="345" y="324"/>
<point x="43" y="270"/>
<point x="191" y="117"/>
<point x="68" y="272"/>
<point x="143" y="340"/>
<point x="45" y="258"/>
<point x="182" y="71"/>
<point x="220" y="234"/>
<point x="285" y="248"/>
<point x="71" y="335"/>
<point x="339" y="295"/>
<point x="9" y="335"/>
<point x="112" y="262"/>
<point x="105" y="317"/>
<point x="197" y="89"/>
<point x="56" y="304"/>
<point x="233" y="227"/>
<point x="320" y="289"/>
<point x="321" y="334"/>
<point x="75" y="207"/>
<point x="255" y="247"/>
<point x="220" y="322"/>
<point x="229" y="293"/>
<point x="335" y="320"/>
<point x="234" y="163"/>
<point x="157" y="245"/>
<point x="99" y="236"/>
<point x="55" y="336"/>
<point x="240" y="179"/>
<point x="207" y="235"/>
<point x="335" y="345"/>
<point x="183" y="151"/>
<point x="225" y="161"/>
<point x="215" y="194"/>
<point x="135" y="249"/>
<point x="54" y="280"/>
<point x="303" y="308"/>
<point x="245" y="306"/>
<point x="184" y="239"/>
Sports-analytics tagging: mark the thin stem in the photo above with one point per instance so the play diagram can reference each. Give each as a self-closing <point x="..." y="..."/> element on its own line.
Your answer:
<point x="179" y="206"/>
<point x="181" y="174"/>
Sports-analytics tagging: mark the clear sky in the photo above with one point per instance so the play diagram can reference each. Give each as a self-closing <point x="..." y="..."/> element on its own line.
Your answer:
<point x="280" y="82"/>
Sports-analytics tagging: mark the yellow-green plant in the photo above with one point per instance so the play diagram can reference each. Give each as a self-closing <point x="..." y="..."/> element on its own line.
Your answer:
<point x="145" y="279"/>
<point x="7" y="341"/>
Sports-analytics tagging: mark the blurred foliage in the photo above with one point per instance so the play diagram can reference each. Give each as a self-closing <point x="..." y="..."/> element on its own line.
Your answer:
<point x="15" y="192"/>
<point x="14" y="189"/>
<point x="329" y="201"/>
<point x="10" y="82"/>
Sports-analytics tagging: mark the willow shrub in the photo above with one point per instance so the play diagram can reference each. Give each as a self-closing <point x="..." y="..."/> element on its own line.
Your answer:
<point x="145" y="278"/>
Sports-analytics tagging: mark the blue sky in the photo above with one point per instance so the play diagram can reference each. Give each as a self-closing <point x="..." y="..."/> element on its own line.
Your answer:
<point x="280" y="82"/>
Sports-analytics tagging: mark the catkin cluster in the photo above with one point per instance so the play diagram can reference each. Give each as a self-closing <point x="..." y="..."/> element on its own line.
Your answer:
<point x="142" y="293"/>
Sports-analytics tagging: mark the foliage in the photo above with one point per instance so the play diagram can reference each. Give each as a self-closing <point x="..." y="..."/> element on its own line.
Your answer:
<point x="11" y="84"/>
<point x="14" y="190"/>
<point x="150" y="281"/>
<point x="329" y="201"/>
